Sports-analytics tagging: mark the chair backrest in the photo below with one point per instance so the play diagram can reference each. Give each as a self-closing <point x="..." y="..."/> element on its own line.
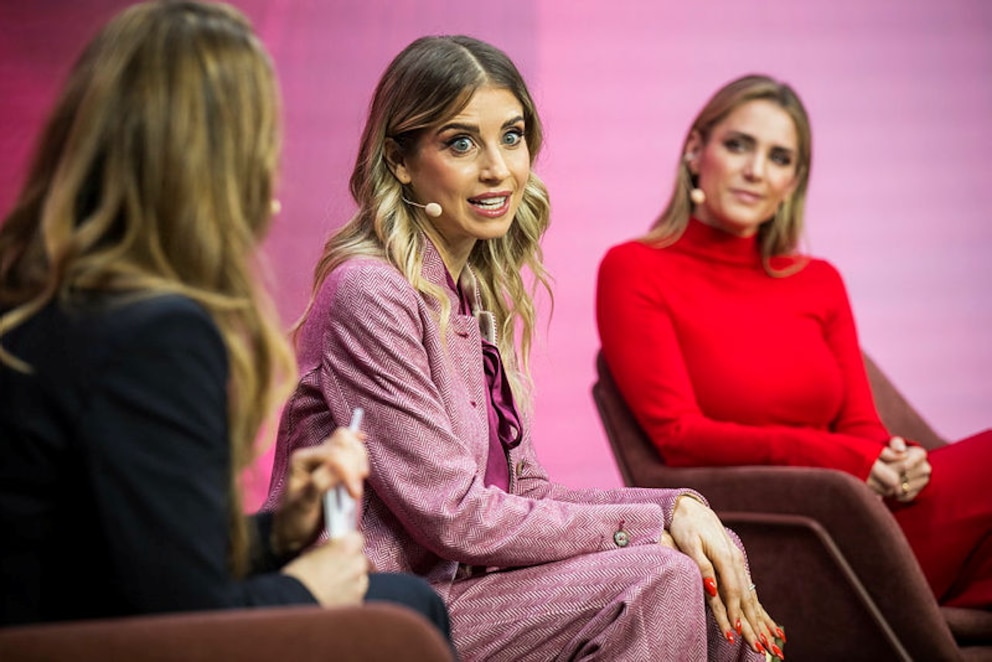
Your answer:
<point x="899" y="417"/>
<point x="638" y="460"/>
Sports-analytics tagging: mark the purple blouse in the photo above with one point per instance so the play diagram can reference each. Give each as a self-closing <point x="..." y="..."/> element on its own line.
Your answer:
<point x="504" y="422"/>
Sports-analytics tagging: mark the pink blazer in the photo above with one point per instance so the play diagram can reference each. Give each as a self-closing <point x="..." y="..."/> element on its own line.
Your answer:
<point x="373" y="341"/>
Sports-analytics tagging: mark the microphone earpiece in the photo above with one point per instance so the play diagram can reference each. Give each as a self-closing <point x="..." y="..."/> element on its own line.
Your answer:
<point x="432" y="209"/>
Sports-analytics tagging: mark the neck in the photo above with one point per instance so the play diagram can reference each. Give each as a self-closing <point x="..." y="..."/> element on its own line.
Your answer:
<point x="738" y="231"/>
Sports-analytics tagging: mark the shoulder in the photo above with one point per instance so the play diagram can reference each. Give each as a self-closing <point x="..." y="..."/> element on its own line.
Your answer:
<point x="822" y="272"/>
<point x="361" y="282"/>
<point x="817" y="279"/>
<point x="630" y="256"/>
<point x="635" y="250"/>
<point x="366" y="292"/>
<point x="166" y="318"/>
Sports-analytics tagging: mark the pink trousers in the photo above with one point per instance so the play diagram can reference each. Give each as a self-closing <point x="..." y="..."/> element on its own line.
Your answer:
<point x="635" y="603"/>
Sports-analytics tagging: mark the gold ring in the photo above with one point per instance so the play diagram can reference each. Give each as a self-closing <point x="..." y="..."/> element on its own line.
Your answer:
<point x="905" y="487"/>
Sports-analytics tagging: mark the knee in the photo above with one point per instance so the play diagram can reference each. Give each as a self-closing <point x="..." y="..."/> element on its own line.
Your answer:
<point x="673" y="573"/>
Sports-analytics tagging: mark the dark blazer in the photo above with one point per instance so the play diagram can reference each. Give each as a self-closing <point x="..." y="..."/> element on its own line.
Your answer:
<point x="114" y="460"/>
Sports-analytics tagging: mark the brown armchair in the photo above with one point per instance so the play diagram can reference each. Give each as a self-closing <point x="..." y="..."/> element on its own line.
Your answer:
<point x="375" y="632"/>
<point x="829" y="559"/>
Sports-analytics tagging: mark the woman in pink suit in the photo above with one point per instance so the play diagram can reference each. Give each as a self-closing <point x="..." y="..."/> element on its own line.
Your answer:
<point x="732" y="348"/>
<point x="421" y="316"/>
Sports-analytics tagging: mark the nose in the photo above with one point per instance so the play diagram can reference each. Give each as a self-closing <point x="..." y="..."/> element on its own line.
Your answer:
<point x="494" y="168"/>
<point x="755" y="167"/>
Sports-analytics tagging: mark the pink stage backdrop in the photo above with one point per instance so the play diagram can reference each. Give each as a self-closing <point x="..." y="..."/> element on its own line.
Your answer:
<point x="900" y="95"/>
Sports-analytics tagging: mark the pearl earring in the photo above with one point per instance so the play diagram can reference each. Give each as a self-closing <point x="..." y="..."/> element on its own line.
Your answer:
<point x="275" y="206"/>
<point x="697" y="195"/>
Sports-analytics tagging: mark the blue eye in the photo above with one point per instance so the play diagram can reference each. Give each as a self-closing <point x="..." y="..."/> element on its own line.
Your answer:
<point x="460" y="144"/>
<point x="781" y="158"/>
<point x="513" y="138"/>
<point x="734" y="145"/>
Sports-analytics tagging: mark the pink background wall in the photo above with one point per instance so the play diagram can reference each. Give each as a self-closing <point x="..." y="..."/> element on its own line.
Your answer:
<point x="900" y="94"/>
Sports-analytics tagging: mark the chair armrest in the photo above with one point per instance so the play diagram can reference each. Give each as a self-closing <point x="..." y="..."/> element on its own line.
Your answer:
<point x="372" y="632"/>
<point x="853" y="527"/>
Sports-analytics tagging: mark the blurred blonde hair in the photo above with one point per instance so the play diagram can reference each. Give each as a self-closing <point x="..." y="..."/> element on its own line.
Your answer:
<point x="429" y="82"/>
<point x="154" y="175"/>
<point x="779" y="235"/>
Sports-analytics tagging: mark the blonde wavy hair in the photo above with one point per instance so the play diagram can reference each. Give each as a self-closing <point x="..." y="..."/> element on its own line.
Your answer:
<point x="154" y="175"/>
<point x="778" y="236"/>
<point x="428" y="83"/>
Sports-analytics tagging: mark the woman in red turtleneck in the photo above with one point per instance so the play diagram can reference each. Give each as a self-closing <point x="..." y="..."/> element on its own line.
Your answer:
<point x="731" y="348"/>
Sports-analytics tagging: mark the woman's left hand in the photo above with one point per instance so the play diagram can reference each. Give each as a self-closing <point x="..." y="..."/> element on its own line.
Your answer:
<point x="700" y="534"/>
<point x="342" y="458"/>
<point x="913" y="467"/>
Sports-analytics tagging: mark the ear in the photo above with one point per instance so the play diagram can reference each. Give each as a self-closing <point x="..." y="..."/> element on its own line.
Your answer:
<point x="693" y="146"/>
<point x="396" y="162"/>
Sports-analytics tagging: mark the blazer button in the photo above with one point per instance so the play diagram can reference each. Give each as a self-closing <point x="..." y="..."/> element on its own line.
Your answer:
<point x="520" y="468"/>
<point x="621" y="538"/>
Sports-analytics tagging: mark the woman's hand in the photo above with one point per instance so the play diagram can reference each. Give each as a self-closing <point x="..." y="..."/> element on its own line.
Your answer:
<point x="342" y="458"/>
<point x="336" y="573"/>
<point x="913" y="467"/>
<point x="884" y="476"/>
<point x="698" y="533"/>
<point x="900" y="471"/>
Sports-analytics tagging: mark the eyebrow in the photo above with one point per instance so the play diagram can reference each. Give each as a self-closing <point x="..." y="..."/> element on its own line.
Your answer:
<point x="474" y="128"/>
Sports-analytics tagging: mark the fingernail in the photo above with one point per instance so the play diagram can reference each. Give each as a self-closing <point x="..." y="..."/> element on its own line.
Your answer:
<point x="763" y="638"/>
<point x="758" y="647"/>
<point x="710" y="585"/>
<point x="777" y="651"/>
<point x="739" y="627"/>
<point x="781" y="634"/>
<point x="730" y="636"/>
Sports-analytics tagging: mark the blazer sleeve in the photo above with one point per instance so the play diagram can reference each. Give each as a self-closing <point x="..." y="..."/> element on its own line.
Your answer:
<point x="157" y="435"/>
<point x="642" y="349"/>
<point x="375" y="355"/>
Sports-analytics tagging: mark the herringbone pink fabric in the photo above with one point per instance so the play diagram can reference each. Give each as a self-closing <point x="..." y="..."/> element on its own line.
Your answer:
<point x="534" y="573"/>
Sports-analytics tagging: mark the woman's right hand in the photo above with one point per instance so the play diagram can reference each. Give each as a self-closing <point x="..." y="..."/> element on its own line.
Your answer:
<point x="342" y="458"/>
<point x="697" y="532"/>
<point x="336" y="573"/>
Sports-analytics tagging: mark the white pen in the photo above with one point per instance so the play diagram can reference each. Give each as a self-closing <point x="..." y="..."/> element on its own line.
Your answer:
<point x="340" y="511"/>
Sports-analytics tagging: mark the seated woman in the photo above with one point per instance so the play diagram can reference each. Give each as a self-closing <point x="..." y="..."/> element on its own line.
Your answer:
<point x="421" y="316"/>
<point x="731" y="348"/>
<point x="137" y="355"/>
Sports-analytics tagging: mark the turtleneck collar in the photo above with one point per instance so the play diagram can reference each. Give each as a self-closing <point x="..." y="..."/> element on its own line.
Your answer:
<point x="715" y="244"/>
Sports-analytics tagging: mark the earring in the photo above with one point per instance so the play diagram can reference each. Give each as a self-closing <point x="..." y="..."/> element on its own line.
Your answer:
<point x="275" y="206"/>
<point x="697" y="195"/>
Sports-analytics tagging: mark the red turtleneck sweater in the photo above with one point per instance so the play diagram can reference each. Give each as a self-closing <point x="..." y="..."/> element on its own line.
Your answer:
<point x="723" y="364"/>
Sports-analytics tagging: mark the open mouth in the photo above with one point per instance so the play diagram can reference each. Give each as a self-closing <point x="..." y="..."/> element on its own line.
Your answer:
<point x="491" y="205"/>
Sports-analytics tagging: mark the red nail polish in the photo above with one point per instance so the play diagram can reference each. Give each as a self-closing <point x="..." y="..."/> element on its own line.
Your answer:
<point x="764" y="639"/>
<point x="740" y="628"/>
<point x="781" y="634"/>
<point x="777" y="651"/>
<point x="730" y="636"/>
<point x="758" y="647"/>
<point x="710" y="585"/>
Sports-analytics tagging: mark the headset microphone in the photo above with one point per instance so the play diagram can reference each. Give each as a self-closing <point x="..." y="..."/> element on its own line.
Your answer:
<point x="432" y="209"/>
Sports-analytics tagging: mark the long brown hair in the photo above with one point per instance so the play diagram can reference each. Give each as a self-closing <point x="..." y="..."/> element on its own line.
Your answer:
<point x="155" y="175"/>
<point x="779" y="235"/>
<point x="429" y="82"/>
